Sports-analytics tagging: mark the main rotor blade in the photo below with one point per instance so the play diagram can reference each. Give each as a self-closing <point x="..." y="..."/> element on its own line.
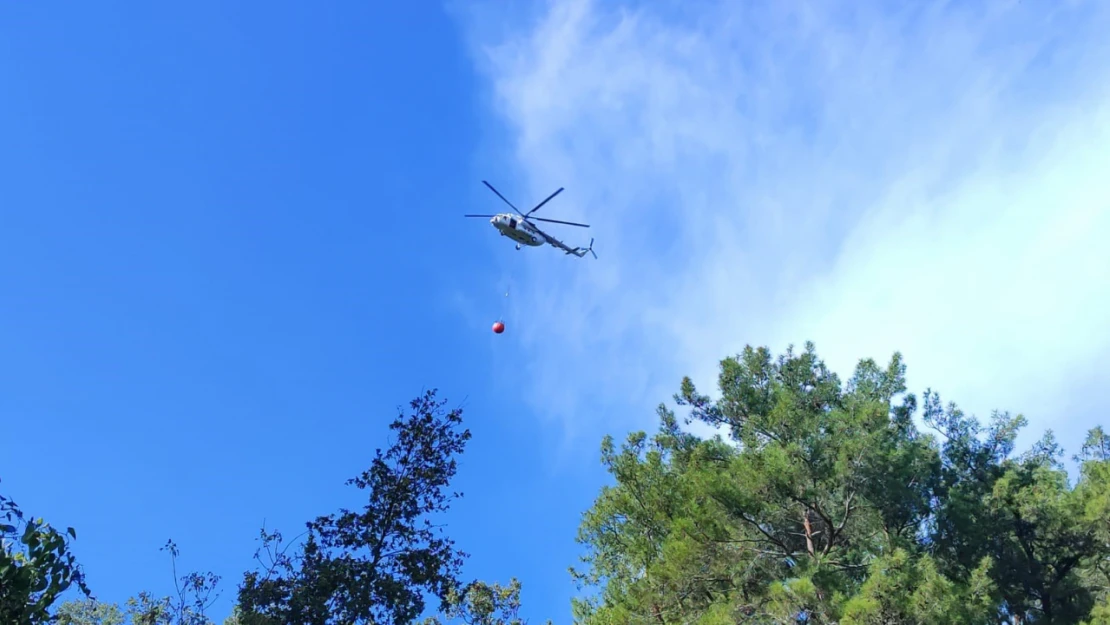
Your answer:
<point x="479" y="215"/>
<point x="556" y="221"/>
<point x="502" y="197"/>
<point x="545" y="201"/>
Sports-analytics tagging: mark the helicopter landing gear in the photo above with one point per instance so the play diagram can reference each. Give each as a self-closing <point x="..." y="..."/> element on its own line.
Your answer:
<point x="518" y="246"/>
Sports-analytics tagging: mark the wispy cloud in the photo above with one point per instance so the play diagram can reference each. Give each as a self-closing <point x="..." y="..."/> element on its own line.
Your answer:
<point x="874" y="178"/>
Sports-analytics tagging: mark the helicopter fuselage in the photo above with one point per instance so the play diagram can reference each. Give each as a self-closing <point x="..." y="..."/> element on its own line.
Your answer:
<point x="518" y="230"/>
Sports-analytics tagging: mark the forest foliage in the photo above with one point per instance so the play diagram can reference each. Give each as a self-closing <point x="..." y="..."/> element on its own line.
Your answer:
<point x="820" y="502"/>
<point x="825" y="503"/>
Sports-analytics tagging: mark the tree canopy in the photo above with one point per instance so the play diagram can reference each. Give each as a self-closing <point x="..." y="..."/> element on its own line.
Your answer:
<point x="374" y="565"/>
<point x="819" y="502"/>
<point x="825" y="503"/>
<point x="36" y="566"/>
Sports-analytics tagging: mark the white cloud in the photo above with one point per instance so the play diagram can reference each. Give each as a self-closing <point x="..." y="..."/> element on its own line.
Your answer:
<point x="931" y="181"/>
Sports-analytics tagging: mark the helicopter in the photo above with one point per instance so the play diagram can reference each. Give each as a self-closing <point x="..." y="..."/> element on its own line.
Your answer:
<point x="522" y="231"/>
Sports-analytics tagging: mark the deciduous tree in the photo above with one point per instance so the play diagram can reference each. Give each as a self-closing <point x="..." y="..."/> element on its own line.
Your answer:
<point x="36" y="566"/>
<point x="374" y="565"/>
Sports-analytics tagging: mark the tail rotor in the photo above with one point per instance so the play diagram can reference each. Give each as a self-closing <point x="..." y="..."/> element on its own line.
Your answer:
<point x="581" y="251"/>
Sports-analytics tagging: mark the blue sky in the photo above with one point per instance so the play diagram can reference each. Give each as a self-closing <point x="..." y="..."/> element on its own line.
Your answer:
<point x="232" y="237"/>
<point x="233" y="243"/>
